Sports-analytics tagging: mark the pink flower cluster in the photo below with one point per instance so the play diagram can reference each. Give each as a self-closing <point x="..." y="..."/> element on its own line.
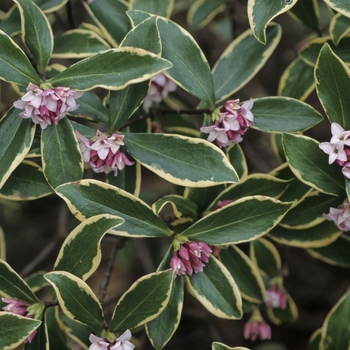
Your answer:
<point x="338" y="148"/>
<point x="340" y="216"/>
<point x="254" y="329"/>
<point x="19" y="308"/>
<point x="276" y="297"/>
<point x="121" y="343"/>
<point x="47" y="106"/>
<point x="190" y="257"/>
<point x="159" y="89"/>
<point x="103" y="153"/>
<point x="232" y="122"/>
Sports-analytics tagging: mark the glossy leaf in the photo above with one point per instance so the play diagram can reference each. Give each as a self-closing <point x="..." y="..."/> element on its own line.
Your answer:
<point x="36" y="281"/>
<point x="49" y="6"/>
<point x="145" y="36"/>
<point x="237" y="159"/>
<point x="56" y="331"/>
<point x="162" y="328"/>
<point x="2" y="245"/>
<point x="245" y="274"/>
<point x="220" y="346"/>
<point x="314" y="341"/>
<point x="283" y="114"/>
<point x="157" y="7"/>
<point x="265" y="255"/>
<point x="234" y="69"/>
<point x="124" y="103"/>
<point x="36" y="33"/>
<point x="113" y="69"/>
<point x="15" y="142"/>
<point x="110" y="16"/>
<point x="41" y="339"/>
<point x="307" y="11"/>
<point x="15" y="329"/>
<point x="76" y="299"/>
<point x="88" y="198"/>
<point x="152" y="293"/>
<point x="310" y="211"/>
<point x="15" y="67"/>
<point x="332" y="81"/>
<point x="91" y="107"/>
<point x="13" y="286"/>
<point x="78" y="43"/>
<point x="297" y="80"/>
<point x="310" y="164"/>
<point x="61" y="156"/>
<point x="26" y="182"/>
<point x="261" y="12"/>
<point x="216" y="290"/>
<point x="80" y="254"/>
<point x="11" y="22"/>
<point x="190" y="67"/>
<point x="314" y="237"/>
<point x="335" y="330"/>
<point x="241" y="221"/>
<point x="339" y="27"/>
<point x="341" y="6"/>
<point x="336" y="253"/>
<point x="186" y="166"/>
<point x="202" y="12"/>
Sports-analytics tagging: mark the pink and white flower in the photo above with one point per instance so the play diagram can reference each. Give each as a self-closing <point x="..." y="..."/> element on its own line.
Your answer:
<point x="340" y="216"/>
<point x="190" y="257"/>
<point x="276" y="297"/>
<point x="120" y="343"/>
<point x="47" y="106"/>
<point x="231" y="123"/>
<point x="103" y="153"/>
<point x="158" y="90"/>
<point x="254" y="329"/>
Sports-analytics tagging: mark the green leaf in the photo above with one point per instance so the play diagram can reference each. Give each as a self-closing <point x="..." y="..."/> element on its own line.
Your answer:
<point x="124" y="103"/>
<point x="335" y="330"/>
<point x="113" y="69"/>
<point x="261" y="12"/>
<point x="36" y="33"/>
<point x="161" y="329"/>
<point x="265" y="255"/>
<point x="220" y="346"/>
<point x="80" y="254"/>
<point x="41" y="339"/>
<point x="152" y="293"/>
<point x="314" y="341"/>
<point x="15" y="329"/>
<point x="332" y="81"/>
<point x="26" y="182"/>
<point x="88" y="198"/>
<point x="36" y="281"/>
<point x="17" y="135"/>
<point x="2" y="245"/>
<point x="184" y="210"/>
<point x="49" y="6"/>
<point x="283" y="114"/>
<point x="237" y="159"/>
<point x="307" y="11"/>
<point x="336" y="253"/>
<point x="190" y="67"/>
<point x="245" y="274"/>
<point x="157" y="7"/>
<point x="255" y="184"/>
<point x="314" y="237"/>
<point x="310" y="164"/>
<point x="78" y="43"/>
<point x="15" y="67"/>
<point x="61" y="156"/>
<point x="90" y="107"/>
<point x="11" y="22"/>
<point x="137" y="16"/>
<point x="216" y="290"/>
<point x="242" y="60"/>
<point x="341" y="6"/>
<point x="339" y="27"/>
<point x="13" y="286"/>
<point x="110" y="16"/>
<point x="145" y="36"/>
<point x="241" y="221"/>
<point x="186" y="166"/>
<point x="76" y="299"/>
<point x="310" y="211"/>
<point x="202" y="12"/>
<point x="297" y="80"/>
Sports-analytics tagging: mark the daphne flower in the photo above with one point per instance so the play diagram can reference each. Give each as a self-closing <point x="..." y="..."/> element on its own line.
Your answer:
<point x="276" y="297"/>
<point x="339" y="134"/>
<point x="340" y="216"/>
<point x="334" y="150"/>
<point x="120" y="343"/>
<point x="256" y="327"/>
